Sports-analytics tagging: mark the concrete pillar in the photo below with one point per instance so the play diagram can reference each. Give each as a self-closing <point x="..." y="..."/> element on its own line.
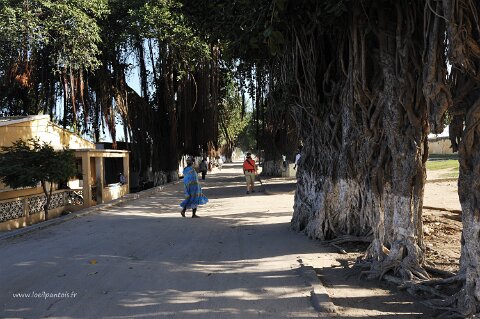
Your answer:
<point x="100" y="179"/>
<point x="87" y="190"/>
<point x="25" y="210"/>
<point x="126" y="168"/>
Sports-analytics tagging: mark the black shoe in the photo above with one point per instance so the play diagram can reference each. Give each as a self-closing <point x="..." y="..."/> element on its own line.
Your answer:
<point x="195" y="216"/>
<point x="248" y="192"/>
<point x="253" y="191"/>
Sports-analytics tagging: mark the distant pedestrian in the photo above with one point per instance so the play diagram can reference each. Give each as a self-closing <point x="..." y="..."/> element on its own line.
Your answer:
<point x="220" y="163"/>
<point x="193" y="192"/>
<point x="250" y="171"/>
<point x="203" y="167"/>
<point x="122" y="179"/>
<point x="297" y="157"/>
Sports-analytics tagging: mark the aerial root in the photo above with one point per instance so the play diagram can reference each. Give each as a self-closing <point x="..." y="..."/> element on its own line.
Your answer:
<point x="448" y="306"/>
<point x="433" y="288"/>
<point x="446" y="281"/>
<point x="440" y="272"/>
<point x="349" y="239"/>
<point x="346" y="239"/>
<point x="340" y="249"/>
<point x="445" y="292"/>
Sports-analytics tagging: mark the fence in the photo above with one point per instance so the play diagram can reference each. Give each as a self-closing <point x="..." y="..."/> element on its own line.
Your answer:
<point x="11" y="209"/>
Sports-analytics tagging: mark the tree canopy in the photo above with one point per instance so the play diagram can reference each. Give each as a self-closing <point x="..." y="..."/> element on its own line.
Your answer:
<point x="360" y="83"/>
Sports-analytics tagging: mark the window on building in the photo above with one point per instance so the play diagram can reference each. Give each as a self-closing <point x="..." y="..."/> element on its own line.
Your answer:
<point x="112" y="166"/>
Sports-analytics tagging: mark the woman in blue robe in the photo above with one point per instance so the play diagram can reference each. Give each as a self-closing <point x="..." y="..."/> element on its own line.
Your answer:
<point x="193" y="192"/>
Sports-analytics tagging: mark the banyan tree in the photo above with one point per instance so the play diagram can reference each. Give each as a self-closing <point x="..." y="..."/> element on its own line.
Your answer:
<point x="364" y="122"/>
<point x="372" y="81"/>
<point x="366" y="81"/>
<point x="362" y="83"/>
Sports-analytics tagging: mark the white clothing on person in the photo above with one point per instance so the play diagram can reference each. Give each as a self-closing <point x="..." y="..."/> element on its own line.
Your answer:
<point x="297" y="159"/>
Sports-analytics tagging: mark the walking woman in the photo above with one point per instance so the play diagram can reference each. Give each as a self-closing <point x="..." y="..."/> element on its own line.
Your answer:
<point x="193" y="192"/>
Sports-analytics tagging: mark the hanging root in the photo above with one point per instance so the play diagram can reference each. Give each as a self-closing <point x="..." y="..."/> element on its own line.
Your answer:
<point x="349" y="239"/>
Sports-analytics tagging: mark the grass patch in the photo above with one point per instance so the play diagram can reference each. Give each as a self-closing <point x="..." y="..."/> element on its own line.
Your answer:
<point x="448" y="164"/>
<point x="450" y="175"/>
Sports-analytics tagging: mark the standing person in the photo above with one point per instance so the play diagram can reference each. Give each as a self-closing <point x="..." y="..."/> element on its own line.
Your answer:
<point x="250" y="170"/>
<point x="297" y="157"/>
<point x="210" y="165"/>
<point x="220" y="163"/>
<point x="203" y="167"/>
<point x="193" y="192"/>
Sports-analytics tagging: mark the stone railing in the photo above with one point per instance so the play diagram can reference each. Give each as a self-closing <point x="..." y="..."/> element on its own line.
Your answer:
<point x="21" y="207"/>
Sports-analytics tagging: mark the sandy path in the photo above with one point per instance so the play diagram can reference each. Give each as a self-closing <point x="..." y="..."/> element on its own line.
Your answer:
<point x="142" y="260"/>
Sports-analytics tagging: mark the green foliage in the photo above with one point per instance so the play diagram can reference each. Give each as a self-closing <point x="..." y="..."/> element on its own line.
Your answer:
<point x="164" y="21"/>
<point x="254" y="30"/>
<point x="231" y="122"/>
<point x="74" y="32"/>
<point x="246" y="138"/>
<point x="68" y="28"/>
<point x="28" y="163"/>
<point x="240" y="25"/>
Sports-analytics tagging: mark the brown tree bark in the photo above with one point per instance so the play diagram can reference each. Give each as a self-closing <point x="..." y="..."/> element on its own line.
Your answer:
<point x="363" y="124"/>
<point x="461" y="24"/>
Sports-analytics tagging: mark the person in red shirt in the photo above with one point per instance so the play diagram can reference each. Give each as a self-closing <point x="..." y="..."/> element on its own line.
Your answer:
<point x="250" y="170"/>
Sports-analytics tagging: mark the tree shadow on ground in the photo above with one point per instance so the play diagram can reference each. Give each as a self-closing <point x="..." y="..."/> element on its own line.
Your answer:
<point x="152" y="263"/>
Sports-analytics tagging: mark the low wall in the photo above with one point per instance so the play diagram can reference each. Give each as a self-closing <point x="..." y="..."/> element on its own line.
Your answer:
<point x="23" y="211"/>
<point x="440" y="145"/>
<point x="289" y="171"/>
<point x="114" y="192"/>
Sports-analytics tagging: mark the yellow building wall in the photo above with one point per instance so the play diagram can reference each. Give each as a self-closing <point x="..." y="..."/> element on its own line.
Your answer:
<point x="38" y="127"/>
<point x="45" y="131"/>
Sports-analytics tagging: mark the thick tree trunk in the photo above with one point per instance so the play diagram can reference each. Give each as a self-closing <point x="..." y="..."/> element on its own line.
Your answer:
<point x="272" y="168"/>
<point x="469" y="193"/>
<point x="405" y="130"/>
<point x="459" y="19"/>
<point x="362" y="167"/>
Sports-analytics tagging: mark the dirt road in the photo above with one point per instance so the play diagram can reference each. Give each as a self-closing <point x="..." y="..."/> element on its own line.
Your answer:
<point x="143" y="260"/>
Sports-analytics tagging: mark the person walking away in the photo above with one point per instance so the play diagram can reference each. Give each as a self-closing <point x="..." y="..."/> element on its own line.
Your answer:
<point x="193" y="191"/>
<point x="250" y="170"/>
<point x="203" y="168"/>
<point x="220" y="163"/>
